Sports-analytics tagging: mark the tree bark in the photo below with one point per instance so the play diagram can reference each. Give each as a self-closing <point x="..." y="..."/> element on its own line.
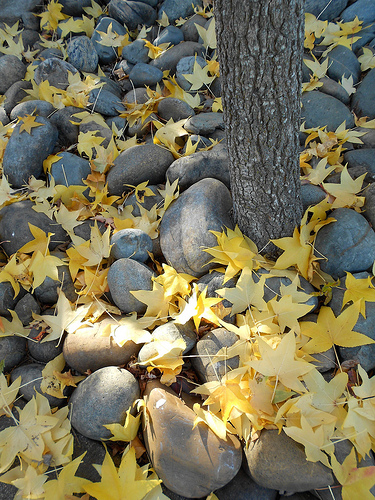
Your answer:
<point x="260" y="49"/>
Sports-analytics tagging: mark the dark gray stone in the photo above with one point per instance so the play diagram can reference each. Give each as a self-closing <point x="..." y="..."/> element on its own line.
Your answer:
<point x="70" y="169"/>
<point x="3" y="116"/>
<point x="170" y="58"/>
<point x="175" y="9"/>
<point x="138" y="95"/>
<point x="206" y="349"/>
<point x="102" y="398"/>
<point x="363" y="101"/>
<point x="106" y="54"/>
<point x="320" y="109"/>
<point x="205" y="123"/>
<point x="186" y="225"/>
<point x="242" y="487"/>
<point x="191" y="169"/>
<point x="25" y="307"/>
<point x="11" y="70"/>
<point x="43" y="352"/>
<point x="12" y="351"/>
<point x="84" y="229"/>
<point x="131" y="13"/>
<point x="136" y="52"/>
<point x="13" y="10"/>
<point x="342" y="62"/>
<point x="82" y="54"/>
<point x="131" y="244"/>
<point x="348" y="244"/>
<point x="171" y="34"/>
<point x="68" y="131"/>
<point x="74" y="7"/>
<point x="363" y="9"/>
<point x="367" y="137"/>
<point x="147" y="162"/>
<point x="190" y="30"/>
<point x="369" y="206"/>
<point x="334" y="89"/>
<point x="37" y="107"/>
<point x="15" y="94"/>
<point x="25" y="152"/>
<point x="174" y="108"/>
<point x="14" y="228"/>
<point x="202" y="143"/>
<point x="95" y="453"/>
<point x="105" y="103"/>
<point x="8" y="299"/>
<point x="185" y="66"/>
<point x="31" y="379"/>
<point x="124" y="276"/>
<point x="311" y="195"/>
<point x="325" y="9"/>
<point x="55" y="71"/>
<point x="147" y="203"/>
<point x="361" y="158"/>
<point x="47" y="292"/>
<point x="144" y="74"/>
<point x="273" y="459"/>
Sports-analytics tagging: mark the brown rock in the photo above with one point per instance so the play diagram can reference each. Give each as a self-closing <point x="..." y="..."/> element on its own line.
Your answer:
<point x="191" y="462"/>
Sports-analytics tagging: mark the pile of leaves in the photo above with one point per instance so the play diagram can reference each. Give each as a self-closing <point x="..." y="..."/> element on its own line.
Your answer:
<point x="277" y="384"/>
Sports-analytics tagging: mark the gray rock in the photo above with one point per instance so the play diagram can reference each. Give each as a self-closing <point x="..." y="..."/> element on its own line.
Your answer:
<point x="144" y="74"/>
<point x="178" y="452"/>
<point x="320" y="109"/>
<point x="242" y="487"/>
<point x="3" y="116"/>
<point x="14" y="228"/>
<point x="147" y="162"/>
<point x="74" y="7"/>
<point x="171" y="34"/>
<point x="363" y="101"/>
<point x="12" y="351"/>
<point x="102" y="398"/>
<point x="82" y="54"/>
<point x="55" y="71"/>
<point x="311" y="195"/>
<point x="105" y="103"/>
<point x="191" y="169"/>
<point x="186" y="225"/>
<point x="185" y="66"/>
<point x="273" y="459"/>
<point x="342" y="62"/>
<point x="11" y="70"/>
<point x="25" y="307"/>
<point x="205" y="123"/>
<point x="138" y="95"/>
<point x="15" y="94"/>
<point x="131" y="13"/>
<point x="90" y="349"/>
<point x="365" y="354"/>
<point x="170" y="58"/>
<point x="25" y="152"/>
<point x="84" y="229"/>
<point x="175" y="9"/>
<point x="127" y="275"/>
<point x="326" y="10"/>
<point x="68" y="131"/>
<point x="43" y="352"/>
<point x="364" y="157"/>
<point x="201" y="141"/>
<point x="13" y="10"/>
<point x="8" y="299"/>
<point x="369" y="206"/>
<point x="206" y="349"/>
<point x="70" y="169"/>
<point x="131" y="244"/>
<point x="190" y="30"/>
<point x="368" y="137"/>
<point x="31" y="379"/>
<point x="169" y="332"/>
<point x="348" y="244"/>
<point x="363" y="9"/>
<point x="334" y="89"/>
<point x="95" y="453"/>
<point x="136" y="52"/>
<point x="37" y="107"/>
<point x="174" y="108"/>
<point x="106" y="54"/>
<point x="47" y="292"/>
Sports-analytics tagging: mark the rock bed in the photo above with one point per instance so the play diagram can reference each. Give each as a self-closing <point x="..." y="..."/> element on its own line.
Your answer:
<point x="176" y="450"/>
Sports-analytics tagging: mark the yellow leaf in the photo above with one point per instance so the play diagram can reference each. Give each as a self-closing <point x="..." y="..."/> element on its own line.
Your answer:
<point x="345" y="192"/>
<point x="213" y="422"/>
<point x="171" y="134"/>
<point x="199" y="77"/>
<point x="70" y="25"/>
<point x="54" y="382"/>
<point x="28" y="122"/>
<point x="8" y="394"/>
<point x="27" y="479"/>
<point x="49" y="19"/>
<point x="358" y="290"/>
<point x="67" y="482"/>
<point x="208" y="35"/>
<point x="39" y="243"/>
<point x="126" y="432"/>
<point x="287" y="312"/>
<point x="42" y="266"/>
<point x="132" y="329"/>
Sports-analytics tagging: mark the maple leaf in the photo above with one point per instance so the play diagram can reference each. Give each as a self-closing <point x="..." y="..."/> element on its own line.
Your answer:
<point x="49" y="19"/>
<point x="132" y="329"/>
<point x="67" y="482"/>
<point x="42" y="265"/>
<point x="211" y="420"/>
<point x="287" y="312"/>
<point x="14" y="327"/>
<point x="320" y="172"/>
<point x="54" y="382"/>
<point x="358" y="290"/>
<point x="208" y="35"/>
<point x="345" y="192"/>
<point x="27" y="479"/>
<point x="70" y="25"/>
<point x="95" y="10"/>
<point x="356" y="482"/>
<point x="319" y="70"/>
<point x="7" y="194"/>
<point x="246" y="292"/>
<point x="174" y="283"/>
<point x="314" y="28"/>
<point x="176" y="91"/>
<point x="199" y="77"/>
<point x="347" y="84"/>
<point x="129" y="482"/>
<point x="169" y="193"/>
<point x="197" y="307"/>
<point x="367" y="59"/>
<point x="126" y="432"/>
<point x="171" y="134"/>
<point x="28" y="122"/>
<point x="39" y="243"/>
<point x="329" y="330"/>
<point x="168" y="359"/>
<point x="281" y="363"/>
<point x="8" y="394"/>
<point x="97" y="248"/>
<point x="326" y="396"/>
<point x="157" y="306"/>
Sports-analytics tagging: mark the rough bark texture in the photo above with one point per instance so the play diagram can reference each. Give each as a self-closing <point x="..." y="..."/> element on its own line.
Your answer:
<point x="260" y="47"/>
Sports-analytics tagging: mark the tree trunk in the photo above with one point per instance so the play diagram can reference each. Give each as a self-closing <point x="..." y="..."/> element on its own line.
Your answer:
<point x="260" y="49"/>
